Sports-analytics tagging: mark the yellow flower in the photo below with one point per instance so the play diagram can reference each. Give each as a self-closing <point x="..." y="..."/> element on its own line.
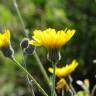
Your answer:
<point x="49" y="38"/>
<point x="5" y="39"/>
<point x="62" y="84"/>
<point x="87" y="83"/>
<point x="65" y="71"/>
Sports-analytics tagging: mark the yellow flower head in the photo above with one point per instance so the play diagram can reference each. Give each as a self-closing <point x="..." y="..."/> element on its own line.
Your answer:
<point x="62" y="84"/>
<point x="65" y="71"/>
<point x="5" y="39"/>
<point x="49" y="38"/>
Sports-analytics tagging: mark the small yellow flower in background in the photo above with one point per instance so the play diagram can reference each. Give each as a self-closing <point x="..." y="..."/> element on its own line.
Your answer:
<point x="5" y="38"/>
<point x="49" y="38"/>
<point x="65" y="71"/>
<point x="87" y="83"/>
<point x="62" y="84"/>
<point x="84" y="84"/>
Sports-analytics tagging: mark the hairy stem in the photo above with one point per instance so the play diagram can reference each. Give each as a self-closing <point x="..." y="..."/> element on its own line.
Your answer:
<point x="53" y="81"/>
<point x="30" y="85"/>
<point x="20" y="17"/>
<point x="30" y="76"/>
<point x="42" y="68"/>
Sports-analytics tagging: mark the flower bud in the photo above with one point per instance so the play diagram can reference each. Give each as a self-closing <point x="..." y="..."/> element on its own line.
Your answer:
<point x="24" y="43"/>
<point x="54" y="55"/>
<point x="7" y="51"/>
<point x="29" y="50"/>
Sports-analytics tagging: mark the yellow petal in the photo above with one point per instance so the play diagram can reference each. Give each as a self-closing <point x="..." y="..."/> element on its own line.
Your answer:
<point x="66" y="70"/>
<point x="5" y="38"/>
<point x="51" y="39"/>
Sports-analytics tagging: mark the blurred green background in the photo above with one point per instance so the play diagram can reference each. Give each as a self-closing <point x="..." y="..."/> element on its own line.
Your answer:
<point x="42" y="14"/>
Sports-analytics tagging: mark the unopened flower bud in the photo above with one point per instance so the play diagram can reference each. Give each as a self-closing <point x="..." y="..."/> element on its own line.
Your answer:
<point x="24" y="43"/>
<point x="29" y="50"/>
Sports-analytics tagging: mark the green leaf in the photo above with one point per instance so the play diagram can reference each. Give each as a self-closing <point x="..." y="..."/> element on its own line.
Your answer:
<point x="81" y="93"/>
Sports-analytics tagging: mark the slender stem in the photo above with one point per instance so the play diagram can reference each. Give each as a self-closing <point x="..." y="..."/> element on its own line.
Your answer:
<point x="53" y="87"/>
<point x="71" y="86"/>
<point x="93" y="91"/>
<point x="20" y="17"/>
<point x="62" y="92"/>
<point x="31" y="77"/>
<point x="32" y="92"/>
<point x="42" y="68"/>
<point x="71" y="93"/>
<point x="30" y="85"/>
